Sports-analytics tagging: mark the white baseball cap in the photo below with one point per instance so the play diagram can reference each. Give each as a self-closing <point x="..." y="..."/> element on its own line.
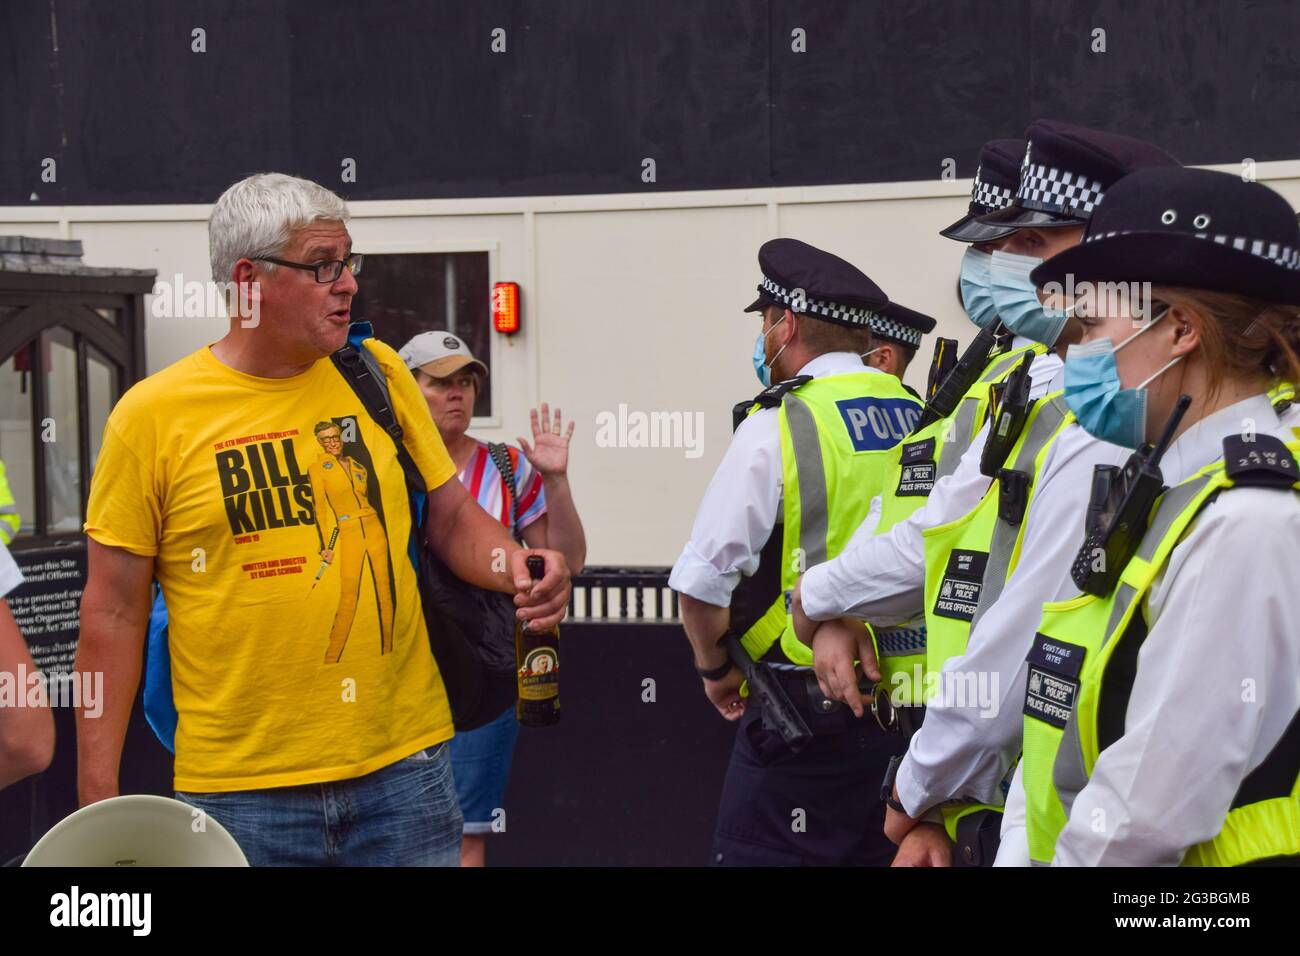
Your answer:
<point x="439" y="354"/>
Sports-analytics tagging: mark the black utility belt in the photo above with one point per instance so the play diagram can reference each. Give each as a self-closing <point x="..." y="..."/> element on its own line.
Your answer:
<point x="825" y="716"/>
<point x="905" y="720"/>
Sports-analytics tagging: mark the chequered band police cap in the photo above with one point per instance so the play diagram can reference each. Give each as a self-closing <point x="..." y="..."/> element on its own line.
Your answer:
<point x="989" y="195"/>
<point x="1187" y="227"/>
<point x="1050" y="189"/>
<point x="1282" y="255"/>
<point x="888" y="328"/>
<point x="798" y="301"/>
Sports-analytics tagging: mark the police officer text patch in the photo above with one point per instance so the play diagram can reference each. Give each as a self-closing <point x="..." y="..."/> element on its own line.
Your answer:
<point x="959" y="592"/>
<point x="1053" y="680"/>
<point x="875" y="424"/>
<point x="916" y="479"/>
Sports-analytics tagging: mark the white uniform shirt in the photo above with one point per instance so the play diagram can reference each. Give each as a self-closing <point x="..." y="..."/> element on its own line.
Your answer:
<point x="741" y="505"/>
<point x="881" y="579"/>
<point x="1218" y="677"/>
<point x="966" y="751"/>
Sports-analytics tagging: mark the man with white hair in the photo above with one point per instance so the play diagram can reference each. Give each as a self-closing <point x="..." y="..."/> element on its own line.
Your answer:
<point x="203" y="482"/>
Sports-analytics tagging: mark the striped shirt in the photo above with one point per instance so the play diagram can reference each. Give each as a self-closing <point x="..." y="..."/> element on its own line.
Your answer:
<point x="485" y="484"/>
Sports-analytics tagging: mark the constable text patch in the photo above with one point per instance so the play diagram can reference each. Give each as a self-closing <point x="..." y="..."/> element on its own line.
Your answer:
<point x="917" y="476"/>
<point x="876" y="424"/>
<point x="1053" y="679"/>
<point x="959" y="592"/>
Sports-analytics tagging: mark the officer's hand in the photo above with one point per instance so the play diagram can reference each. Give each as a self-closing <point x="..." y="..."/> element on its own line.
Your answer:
<point x="927" y="844"/>
<point x="836" y="645"/>
<point x="898" y="825"/>
<point x="543" y="603"/>
<point x="327" y="555"/>
<point x="724" y="694"/>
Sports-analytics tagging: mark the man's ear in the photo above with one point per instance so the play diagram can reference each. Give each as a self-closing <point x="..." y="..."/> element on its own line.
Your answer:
<point x="242" y="271"/>
<point x="885" y="358"/>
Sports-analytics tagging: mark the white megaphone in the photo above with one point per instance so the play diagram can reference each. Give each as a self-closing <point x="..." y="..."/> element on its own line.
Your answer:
<point x="137" y="830"/>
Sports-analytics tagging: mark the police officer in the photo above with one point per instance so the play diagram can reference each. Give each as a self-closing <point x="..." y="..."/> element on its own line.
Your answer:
<point x="995" y="563"/>
<point x="797" y="479"/>
<point x="934" y="451"/>
<point x="1162" y="709"/>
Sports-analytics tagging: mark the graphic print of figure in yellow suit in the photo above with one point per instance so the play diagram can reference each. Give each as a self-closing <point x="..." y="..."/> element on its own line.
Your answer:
<point x="338" y="487"/>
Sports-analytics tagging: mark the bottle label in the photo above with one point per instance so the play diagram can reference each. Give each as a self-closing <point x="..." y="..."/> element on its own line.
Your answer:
<point x="539" y="678"/>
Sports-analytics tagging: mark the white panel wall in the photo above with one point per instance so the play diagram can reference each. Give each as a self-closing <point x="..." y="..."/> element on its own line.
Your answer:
<point x="897" y="243"/>
<point x="644" y="310"/>
<point x="172" y="248"/>
<point x="629" y="300"/>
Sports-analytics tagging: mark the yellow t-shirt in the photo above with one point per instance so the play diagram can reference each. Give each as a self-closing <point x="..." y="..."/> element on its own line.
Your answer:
<point x="211" y="471"/>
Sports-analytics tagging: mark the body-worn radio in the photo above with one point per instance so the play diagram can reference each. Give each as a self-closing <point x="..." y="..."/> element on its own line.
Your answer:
<point x="1120" y="508"/>
<point x="1009" y="405"/>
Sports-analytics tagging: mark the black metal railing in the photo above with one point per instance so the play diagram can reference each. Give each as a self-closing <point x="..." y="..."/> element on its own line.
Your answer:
<point x="623" y="596"/>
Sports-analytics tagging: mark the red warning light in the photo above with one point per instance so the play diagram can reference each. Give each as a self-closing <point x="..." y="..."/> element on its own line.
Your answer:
<point x="505" y="307"/>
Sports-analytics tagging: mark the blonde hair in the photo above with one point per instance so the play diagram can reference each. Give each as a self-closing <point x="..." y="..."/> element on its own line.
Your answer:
<point x="1241" y="336"/>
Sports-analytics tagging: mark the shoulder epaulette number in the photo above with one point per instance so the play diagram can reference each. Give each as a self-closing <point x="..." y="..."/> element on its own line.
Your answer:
<point x="1264" y="461"/>
<point x="769" y="397"/>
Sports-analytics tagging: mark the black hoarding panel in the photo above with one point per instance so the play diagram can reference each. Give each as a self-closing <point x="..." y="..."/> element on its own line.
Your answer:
<point x="561" y="96"/>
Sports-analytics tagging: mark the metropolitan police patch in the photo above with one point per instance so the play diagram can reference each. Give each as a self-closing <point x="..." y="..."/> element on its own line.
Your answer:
<point x="1053" y="681"/>
<point x="959" y="592"/>
<point x="916" y="479"/>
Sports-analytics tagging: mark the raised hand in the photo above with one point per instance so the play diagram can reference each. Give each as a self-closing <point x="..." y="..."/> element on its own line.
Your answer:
<point x="549" y="453"/>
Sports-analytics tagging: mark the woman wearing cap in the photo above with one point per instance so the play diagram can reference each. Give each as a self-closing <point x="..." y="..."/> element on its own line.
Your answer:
<point x="1161" y="707"/>
<point x="533" y="499"/>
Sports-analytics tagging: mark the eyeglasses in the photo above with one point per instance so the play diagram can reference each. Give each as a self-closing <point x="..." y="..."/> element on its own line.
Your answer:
<point x="324" y="271"/>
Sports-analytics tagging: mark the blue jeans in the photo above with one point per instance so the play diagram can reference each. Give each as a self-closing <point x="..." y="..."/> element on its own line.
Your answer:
<point x="481" y="759"/>
<point x="405" y="814"/>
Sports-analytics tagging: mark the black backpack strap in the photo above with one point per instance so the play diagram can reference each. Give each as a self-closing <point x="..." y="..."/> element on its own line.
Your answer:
<point x="768" y="398"/>
<point x="361" y="371"/>
<point x="501" y="457"/>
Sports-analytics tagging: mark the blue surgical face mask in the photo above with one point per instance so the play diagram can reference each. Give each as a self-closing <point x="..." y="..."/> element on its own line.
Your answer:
<point x="1092" y="390"/>
<point x="762" y="367"/>
<point x="1016" y="299"/>
<point x="976" y="296"/>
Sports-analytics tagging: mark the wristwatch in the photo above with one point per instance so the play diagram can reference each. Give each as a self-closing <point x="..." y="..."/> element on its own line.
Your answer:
<point x="887" y="787"/>
<point x="715" y="673"/>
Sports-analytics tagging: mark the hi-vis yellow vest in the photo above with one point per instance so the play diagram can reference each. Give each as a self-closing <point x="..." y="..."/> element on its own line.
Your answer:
<point x="9" y="517"/>
<point x="968" y="561"/>
<point x="835" y="432"/>
<point x="915" y="465"/>
<point x="1068" y="669"/>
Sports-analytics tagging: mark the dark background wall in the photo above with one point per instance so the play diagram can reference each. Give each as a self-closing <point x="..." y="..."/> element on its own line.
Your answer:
<point x="587" y="89"/>
<point x="622" y="780"/>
